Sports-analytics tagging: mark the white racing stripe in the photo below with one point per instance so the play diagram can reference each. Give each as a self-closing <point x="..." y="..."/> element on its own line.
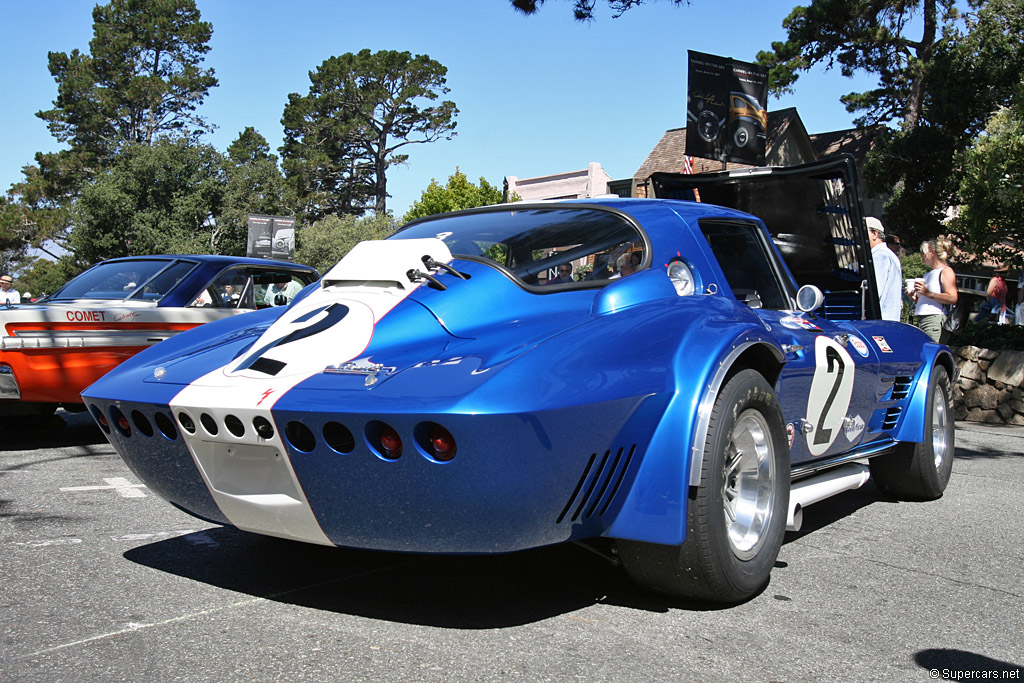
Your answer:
<point x="250" y="477"/>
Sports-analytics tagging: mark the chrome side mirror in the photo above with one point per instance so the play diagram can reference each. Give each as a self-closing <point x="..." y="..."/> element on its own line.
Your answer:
<point x="809" y="298"/>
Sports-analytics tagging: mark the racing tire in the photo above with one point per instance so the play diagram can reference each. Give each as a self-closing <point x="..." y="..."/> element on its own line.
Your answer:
<point x="921" y="471"/>
<point x="736" y="516"/>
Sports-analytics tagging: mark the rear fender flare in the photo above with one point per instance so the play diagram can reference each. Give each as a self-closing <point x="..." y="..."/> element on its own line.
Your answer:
<point x="655" y="510"/>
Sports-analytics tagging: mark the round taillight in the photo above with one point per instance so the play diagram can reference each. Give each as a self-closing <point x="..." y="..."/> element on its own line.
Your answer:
<point x="263" y="427"/>
<point x="391" y="442"/>
<point x="443" y="444"/>
<point x="121" y="421"/>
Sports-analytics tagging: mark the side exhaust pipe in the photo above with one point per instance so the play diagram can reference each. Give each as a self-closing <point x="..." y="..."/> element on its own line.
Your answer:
<point x="819" y="487"/>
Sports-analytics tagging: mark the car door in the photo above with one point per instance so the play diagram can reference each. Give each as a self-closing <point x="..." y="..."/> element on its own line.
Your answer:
<point x="827" y="387"/>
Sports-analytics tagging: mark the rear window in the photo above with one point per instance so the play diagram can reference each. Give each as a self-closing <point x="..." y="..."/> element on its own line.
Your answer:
<point x="542" y="246"/>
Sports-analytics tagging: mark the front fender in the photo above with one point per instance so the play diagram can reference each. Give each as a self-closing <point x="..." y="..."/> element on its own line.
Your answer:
<point x="911" y="427"/>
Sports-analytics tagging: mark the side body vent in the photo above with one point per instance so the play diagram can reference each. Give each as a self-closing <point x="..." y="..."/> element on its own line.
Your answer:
<point x="892" y="417"/>
<point x="901" y="388"/>
<point x="598" y="484"/>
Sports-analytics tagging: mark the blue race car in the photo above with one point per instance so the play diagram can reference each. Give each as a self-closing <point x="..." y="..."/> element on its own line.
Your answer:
<point x="646" y="371"/>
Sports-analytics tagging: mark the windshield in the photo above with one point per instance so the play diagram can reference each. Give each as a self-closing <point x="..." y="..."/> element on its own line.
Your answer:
<point x="541" y="245"/>
<point x="118" y="280"/>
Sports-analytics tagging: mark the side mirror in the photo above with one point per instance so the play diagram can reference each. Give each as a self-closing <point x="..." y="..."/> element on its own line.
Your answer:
<point x="809" y="298"/>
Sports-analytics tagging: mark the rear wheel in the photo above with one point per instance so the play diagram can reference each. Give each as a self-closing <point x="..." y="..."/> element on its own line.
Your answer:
<point x="921" y="471"/>
<point x="737" y="514"/>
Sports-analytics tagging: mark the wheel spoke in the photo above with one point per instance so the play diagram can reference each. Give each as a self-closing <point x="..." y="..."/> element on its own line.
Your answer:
<point x="748" y="483"/>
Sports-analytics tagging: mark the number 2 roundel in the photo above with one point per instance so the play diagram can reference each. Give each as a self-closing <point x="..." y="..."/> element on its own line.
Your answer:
<point x="831" y="390"/>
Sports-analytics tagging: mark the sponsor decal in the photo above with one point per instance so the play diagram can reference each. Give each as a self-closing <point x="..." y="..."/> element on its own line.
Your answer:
<point x="883" y="345"/>
<point x="853" y="427"/>
<point x="858" y="344"/>
<point x="796" y="323"/>
<point x="126" y="317"/>
<point x="791" y="433"/>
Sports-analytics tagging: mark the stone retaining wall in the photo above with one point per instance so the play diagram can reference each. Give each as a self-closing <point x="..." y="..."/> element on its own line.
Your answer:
<point x="991" y="386"/>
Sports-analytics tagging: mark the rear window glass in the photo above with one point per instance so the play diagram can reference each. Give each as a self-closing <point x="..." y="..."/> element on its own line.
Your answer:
<point x="542" y="246"/>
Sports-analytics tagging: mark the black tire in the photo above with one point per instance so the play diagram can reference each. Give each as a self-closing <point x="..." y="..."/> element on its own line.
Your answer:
<point x="921" y="471"/>
<point x="727" y="559"/>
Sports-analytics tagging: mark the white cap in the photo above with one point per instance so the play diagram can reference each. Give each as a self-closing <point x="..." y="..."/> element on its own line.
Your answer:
<point x="873" y="223"/>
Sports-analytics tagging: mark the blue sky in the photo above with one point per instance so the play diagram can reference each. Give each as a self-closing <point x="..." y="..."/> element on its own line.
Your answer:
<point x="537" y="95"/>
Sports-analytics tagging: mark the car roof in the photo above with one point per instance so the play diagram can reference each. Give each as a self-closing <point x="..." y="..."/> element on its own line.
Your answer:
<point x="215" y="259"/>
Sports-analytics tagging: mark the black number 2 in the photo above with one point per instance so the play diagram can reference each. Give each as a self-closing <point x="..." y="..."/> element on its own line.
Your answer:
<point x="832" y="357"/>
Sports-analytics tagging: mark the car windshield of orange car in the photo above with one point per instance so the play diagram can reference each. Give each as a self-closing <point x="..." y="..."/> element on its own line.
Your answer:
<point x="139" y="279"/>
<point x="542" y="246"/>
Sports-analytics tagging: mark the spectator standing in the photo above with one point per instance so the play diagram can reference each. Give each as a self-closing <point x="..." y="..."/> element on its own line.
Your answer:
<point x="994" y="308"/>
<point x="8" y="295"/>
<point x="936" y="290"/>
<point x="1020" y="299"/>
<point x="888" y="271"/>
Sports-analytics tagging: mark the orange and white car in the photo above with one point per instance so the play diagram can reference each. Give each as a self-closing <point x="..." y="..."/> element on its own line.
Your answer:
<point x="52" y="349"/>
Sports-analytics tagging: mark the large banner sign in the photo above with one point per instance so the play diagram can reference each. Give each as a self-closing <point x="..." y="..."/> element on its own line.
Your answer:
<point x="726" y="117"/>
<point x="271" y="237"/>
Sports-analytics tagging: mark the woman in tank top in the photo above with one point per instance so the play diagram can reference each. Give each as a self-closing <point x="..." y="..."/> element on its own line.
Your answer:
<point x="936" y="292"/>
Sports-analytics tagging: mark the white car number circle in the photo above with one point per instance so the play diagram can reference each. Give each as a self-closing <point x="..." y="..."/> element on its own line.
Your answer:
<point x="829" y="397"/>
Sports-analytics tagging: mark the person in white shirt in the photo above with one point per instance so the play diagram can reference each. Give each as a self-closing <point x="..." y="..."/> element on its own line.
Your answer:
<point x="936" y="290"/>
<point x="888" y="271"/>
<point x="286" y="287"/>
<point x="8" y="295"/>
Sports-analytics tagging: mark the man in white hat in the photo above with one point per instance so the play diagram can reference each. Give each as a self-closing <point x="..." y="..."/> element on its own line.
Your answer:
<point x="888" y="271"/>
<point x="8" y="295"/>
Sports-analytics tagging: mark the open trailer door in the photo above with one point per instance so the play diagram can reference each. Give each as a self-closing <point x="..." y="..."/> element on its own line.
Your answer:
<point x="814" y="215"/>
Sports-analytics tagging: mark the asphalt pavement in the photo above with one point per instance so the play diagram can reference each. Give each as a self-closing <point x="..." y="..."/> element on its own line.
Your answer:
<point x="103" y="581"/>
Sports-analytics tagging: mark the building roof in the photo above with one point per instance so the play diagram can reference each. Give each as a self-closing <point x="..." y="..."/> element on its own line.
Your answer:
<point x="854" y="141"/>
<point x="667" y="155"/>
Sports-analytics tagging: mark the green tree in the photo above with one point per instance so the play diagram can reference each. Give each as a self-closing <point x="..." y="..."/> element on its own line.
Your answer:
<point x="938" y="86"/>
<point x="583" y="10"/>
<point x="141" y="79"/>
<point x="458" y="194"/>
<point x="42" y="276"/>
<point x="255" y="184"/>
<point x="361" y="110"/>
<point x="325" y="242"/>
<point x="992" y="188"/>
<point x="152" y="199"/>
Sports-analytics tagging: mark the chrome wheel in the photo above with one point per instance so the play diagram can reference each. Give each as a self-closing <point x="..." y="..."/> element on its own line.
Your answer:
<point x="748" y="483"/>
<point x="940" y="416"/>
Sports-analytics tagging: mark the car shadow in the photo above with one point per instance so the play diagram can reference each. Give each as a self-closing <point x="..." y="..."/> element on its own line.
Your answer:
<point x="463" y="592"/>
<point x="459" y="592"/>
<point x="60" y="430"/>
<point x="948" y="661"/>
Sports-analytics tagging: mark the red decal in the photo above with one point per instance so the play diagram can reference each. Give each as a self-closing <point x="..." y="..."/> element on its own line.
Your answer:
<point x="266" y="393"/>
<point x="86" y="316"/>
